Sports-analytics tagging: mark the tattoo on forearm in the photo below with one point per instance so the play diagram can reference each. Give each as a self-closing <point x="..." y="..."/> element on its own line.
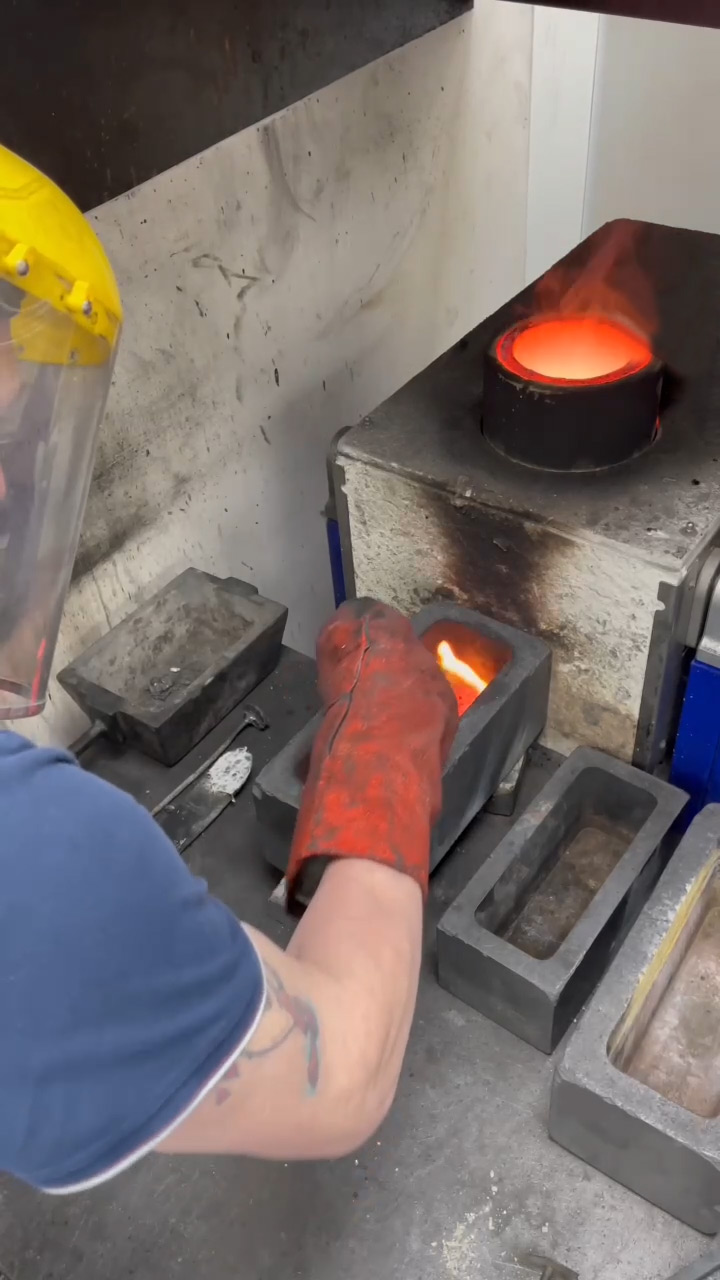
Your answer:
<point x="287" y="1014"/>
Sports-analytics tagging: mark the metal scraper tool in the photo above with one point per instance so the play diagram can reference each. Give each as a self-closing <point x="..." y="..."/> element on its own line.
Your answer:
<point x="547" y="1268"/>
<point x="185" y="816"/>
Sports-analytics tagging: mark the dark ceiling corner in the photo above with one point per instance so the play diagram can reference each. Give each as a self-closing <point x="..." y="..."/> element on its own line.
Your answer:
<point x="103" y="95"/>
<point x="693" y="13"/>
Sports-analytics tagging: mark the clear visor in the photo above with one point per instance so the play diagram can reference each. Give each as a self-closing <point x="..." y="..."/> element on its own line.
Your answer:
<point x="54" y="382"/>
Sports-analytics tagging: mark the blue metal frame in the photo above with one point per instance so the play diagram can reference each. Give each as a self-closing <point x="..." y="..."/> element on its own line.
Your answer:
<point x="336" y="564"/>
<point x="696" y="760"/>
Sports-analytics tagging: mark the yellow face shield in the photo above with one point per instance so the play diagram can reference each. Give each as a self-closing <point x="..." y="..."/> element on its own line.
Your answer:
<point x="60" y="319"/>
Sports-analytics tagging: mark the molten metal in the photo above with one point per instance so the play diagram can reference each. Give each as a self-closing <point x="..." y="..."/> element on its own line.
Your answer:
<point x="586" y="348"/>
<point x="465" y="682"/>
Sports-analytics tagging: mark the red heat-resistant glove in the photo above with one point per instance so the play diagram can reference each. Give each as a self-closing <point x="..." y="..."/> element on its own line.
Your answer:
<point x="374" y="786"/>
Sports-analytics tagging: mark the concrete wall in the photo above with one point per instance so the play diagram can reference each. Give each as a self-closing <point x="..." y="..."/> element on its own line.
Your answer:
<point x="276" y="288"/>
<point x="655" y="145"/>
<point x="564" y="54"/>
<point x="622" y="124"/>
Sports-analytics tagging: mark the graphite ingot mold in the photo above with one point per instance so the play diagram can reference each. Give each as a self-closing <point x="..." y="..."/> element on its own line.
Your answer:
<point x="531" y="934"/>
<point x="637" y="1091"/>
<point x="167" y="674"/>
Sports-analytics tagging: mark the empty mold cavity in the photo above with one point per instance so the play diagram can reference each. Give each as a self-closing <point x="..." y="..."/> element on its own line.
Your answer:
<point x="567" y="859"/>
<point x="485" y="656"/>
<point x="669" y="1036"/>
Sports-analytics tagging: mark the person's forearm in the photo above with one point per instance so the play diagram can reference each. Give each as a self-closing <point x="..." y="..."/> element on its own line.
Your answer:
<point x="320" y="1071"/>
<point x="353" y="966"/>
<point x="363" y="928"/>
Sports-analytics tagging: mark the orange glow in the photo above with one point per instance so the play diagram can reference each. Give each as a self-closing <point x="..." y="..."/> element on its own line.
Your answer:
<point x="585" y="348"/>
<point x="465" y="682"/>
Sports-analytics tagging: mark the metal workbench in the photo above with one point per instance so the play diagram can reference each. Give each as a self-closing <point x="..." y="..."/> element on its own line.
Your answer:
<point x="461" y="1178"/>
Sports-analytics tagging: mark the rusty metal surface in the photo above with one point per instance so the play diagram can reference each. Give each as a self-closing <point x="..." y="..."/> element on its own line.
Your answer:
<point x="113" y="94"/>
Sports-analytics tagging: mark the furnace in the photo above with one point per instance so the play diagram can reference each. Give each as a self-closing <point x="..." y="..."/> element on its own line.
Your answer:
<point x="581" y="508"/>
<point x="571" y="393"/>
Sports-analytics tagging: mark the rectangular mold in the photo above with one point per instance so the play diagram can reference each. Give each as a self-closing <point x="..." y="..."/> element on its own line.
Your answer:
<point x="543" y="893"/>
<point x="493" y="733"/>
<point x="167" y="674"/>
<point x="669" y="1036"/>
<point x="636" y="1092"/>
<point x="531" y="934"/>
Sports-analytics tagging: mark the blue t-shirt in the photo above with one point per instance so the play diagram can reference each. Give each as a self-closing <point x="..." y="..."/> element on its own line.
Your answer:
<point x="125" y="989"/>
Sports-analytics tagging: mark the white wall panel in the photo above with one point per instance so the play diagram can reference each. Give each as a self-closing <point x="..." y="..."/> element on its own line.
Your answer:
<point x="655" y="144"/>
<point x="561" y="100"/>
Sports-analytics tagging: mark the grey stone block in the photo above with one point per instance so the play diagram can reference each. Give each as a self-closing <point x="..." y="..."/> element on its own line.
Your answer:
<point x="493" y="733"/>
<point x="637" y="1091"/>
<point x="531" y="934"/>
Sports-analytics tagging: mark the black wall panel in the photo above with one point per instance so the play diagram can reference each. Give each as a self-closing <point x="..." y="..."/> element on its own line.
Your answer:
<point x="103" y="94"/>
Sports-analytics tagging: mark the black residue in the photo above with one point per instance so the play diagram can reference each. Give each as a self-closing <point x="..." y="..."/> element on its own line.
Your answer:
<point x="212" y="261"/>
<point x="492" y="563"/>
<point x="90" y="555"/>
<point x="249" y="282"/>
<point x="277" y="377"/>
<point x="109" y="525"/>
<point x="270" y="144"/>
<point x="264" y="434"/>
<point x="200" y="309"/>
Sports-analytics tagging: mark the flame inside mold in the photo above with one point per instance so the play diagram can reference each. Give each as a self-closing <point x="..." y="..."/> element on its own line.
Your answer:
<point x="466" y="684"/>
<point x="475" y="658"/>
